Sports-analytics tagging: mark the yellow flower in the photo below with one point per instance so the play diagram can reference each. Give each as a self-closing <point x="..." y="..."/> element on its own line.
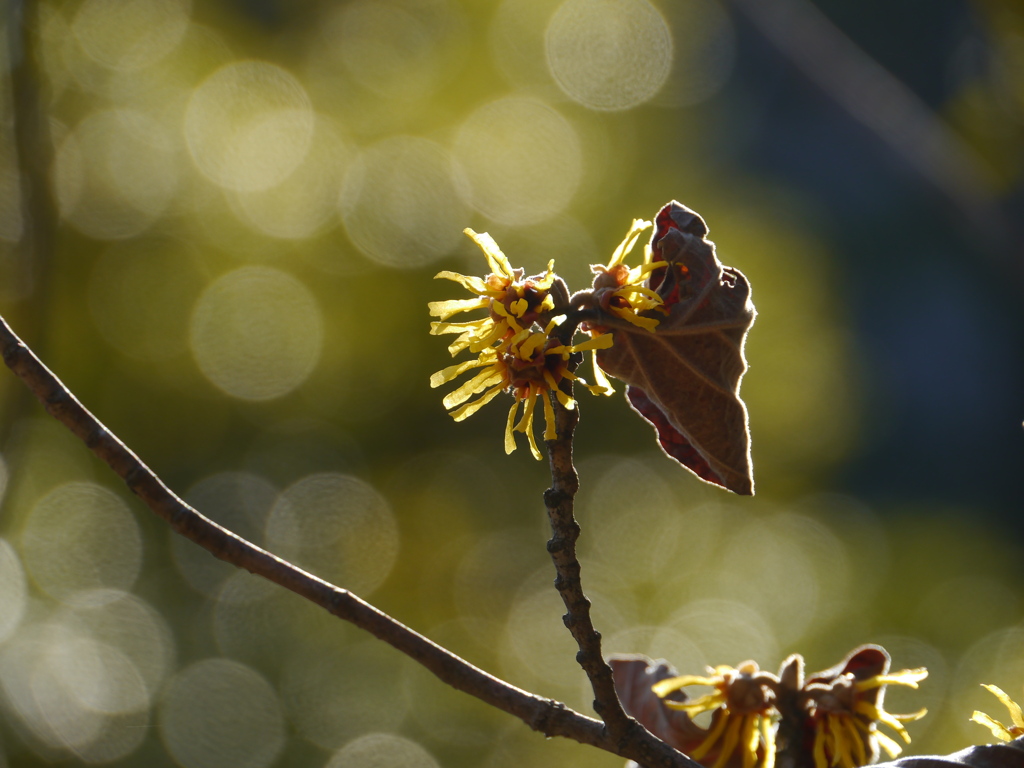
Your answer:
<point x="845" y="712"/>
<point x="619" y="291"/>
<point x="618" y="288"/>
<point x="1000" y="731"/>
<point x="742" y="704"/>
<point x="511" y="355"/>
<point x="514" y="303"/>
<point x="530" y="367"/>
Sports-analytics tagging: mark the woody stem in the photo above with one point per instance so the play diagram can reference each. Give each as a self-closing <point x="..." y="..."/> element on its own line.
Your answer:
<point x="565" y="531"/>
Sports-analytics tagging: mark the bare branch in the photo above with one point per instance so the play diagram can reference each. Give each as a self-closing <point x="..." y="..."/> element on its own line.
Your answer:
<point x="552" y="718"/>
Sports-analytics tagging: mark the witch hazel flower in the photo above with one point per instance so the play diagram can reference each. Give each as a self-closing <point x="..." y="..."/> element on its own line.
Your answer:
<point x="1000" y="731"/>
<point x="743" y="714"/>
<point x="511" y="355"/>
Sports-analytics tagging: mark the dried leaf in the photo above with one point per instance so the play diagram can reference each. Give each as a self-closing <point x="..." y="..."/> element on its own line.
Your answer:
<point x="634" y="675"/>
<point x="684" y="377"/>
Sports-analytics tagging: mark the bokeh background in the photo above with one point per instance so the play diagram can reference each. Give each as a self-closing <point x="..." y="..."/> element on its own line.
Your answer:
<point x="220" y="227"/>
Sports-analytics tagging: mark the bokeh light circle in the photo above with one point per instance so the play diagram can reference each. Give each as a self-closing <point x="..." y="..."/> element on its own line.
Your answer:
<point x="382" y="750"/>
<point x="609" y="54"/>
<point x="218" y="712"/>
<point x="337" y="526"/>
<point x="249" y="125"/>
<point x="387" y="49"/>
<point x="343" y="691"/>
<point x="13" y="590"/>
<point x="75" y="690"/>
<point x="400" y="205"/>
<point x="256" y="333"/>
<point x="130" y="35"/>
<point x="81" y="536"/>
<point x="519" y="161"/>
<point x="115" y="173"/>
<point x="305" y="202"/>
<point x="130" y="625"/>
<point x="36" y="692"/>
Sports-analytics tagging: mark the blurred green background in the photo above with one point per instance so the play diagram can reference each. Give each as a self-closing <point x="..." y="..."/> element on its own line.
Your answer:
<point x="253" y="197"/>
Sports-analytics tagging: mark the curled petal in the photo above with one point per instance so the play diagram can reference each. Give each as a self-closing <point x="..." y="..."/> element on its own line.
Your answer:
<point x="907" y="677"/>
<point x="664" y="687"/>
<point x="550" y="433"/>
<point x="453" y="371"/>
<point x="647" y="323"/>
<point x="713" y="736"/>
<point x="495" y="258"/>
<point x="510" y="440"/>
<point x="1010" y="704"/>
<point x="768" y="734"/>
<point x="460" y="414"/>
<point x="445" y="309"/>
<point x="600" y="380"/>
<point x="999" y="730"/>
<point x="440" y="328"/>
<point x="604" y="341"/>
<point x="478" y="383"/>
<point x="469" y="282"/>
<point x="888" y="744"/>
<point x="639" y="225"/>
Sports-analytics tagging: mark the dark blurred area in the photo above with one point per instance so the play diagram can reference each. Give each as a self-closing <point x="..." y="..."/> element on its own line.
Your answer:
<point x="219" y="224"/>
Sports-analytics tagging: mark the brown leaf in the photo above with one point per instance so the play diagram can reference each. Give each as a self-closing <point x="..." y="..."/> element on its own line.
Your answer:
<point x="684" y="377"/>
<point x="634" y="675"/>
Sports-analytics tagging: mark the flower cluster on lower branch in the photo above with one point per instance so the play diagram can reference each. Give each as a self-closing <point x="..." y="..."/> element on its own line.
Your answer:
<point x="759" y="719"/>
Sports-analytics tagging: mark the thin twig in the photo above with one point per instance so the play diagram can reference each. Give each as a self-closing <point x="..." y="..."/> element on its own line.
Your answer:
<point x="552" y="718"/>
<point x="565" y="531"/>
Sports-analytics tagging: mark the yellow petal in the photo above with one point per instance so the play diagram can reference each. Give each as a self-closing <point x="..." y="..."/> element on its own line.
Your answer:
<point x="732" y="734"/>
<point x="486" y="378"/>
<point x="1007" y="702"/>
<point x="768" y="734"/>
<point x="888" y="744"/>
<point x="440" y="328"/>
<point x="600" y="380"/>
<point x="882" y="716"/>
<point x="647" y="323"/>
<point x="713" y="735"/>
<point x="819" y="748"/>
<point x="664" y="687"/>
<point x="510" y="440"/>
<point x="639" y="225"/>
<point x="495" y="258"/>
<point x="510" y="318"/>
<point x="445" y="309"/>
<point x="550" y="433"/>
<point x="999" y="730"/>
<point x="469" y="282"/>
<point x="529" y="347"/>
<point x="453" y="371"/>
<point x="526" y="424"/>
<point x="470" y="408"/>
<point x="908" y="677"/>
<point x="749" y="738"/>
<point x="482" y="340"/>
<point x="858" y="744"/>
<point x="604" y="341"/>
